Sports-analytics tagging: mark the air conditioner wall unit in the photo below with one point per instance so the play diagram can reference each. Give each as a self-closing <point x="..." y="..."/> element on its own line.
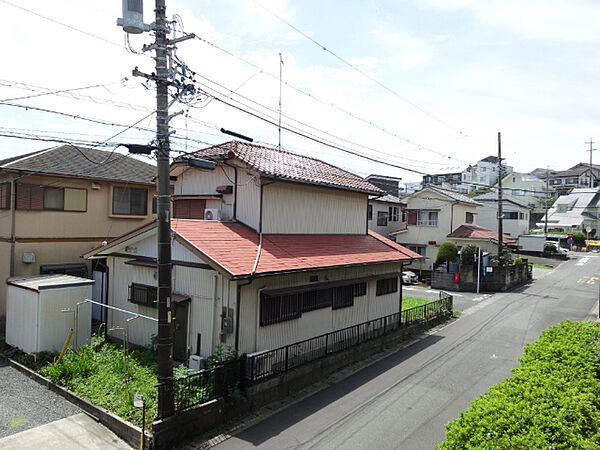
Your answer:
<point x="197" y="362"/>
<point x="212" y="214"/>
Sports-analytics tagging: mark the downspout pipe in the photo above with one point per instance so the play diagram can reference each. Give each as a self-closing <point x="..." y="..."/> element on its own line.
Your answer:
<point x="13" y="236"/>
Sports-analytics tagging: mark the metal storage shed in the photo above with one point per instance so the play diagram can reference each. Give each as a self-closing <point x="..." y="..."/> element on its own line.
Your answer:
<point x="41" y="309"/>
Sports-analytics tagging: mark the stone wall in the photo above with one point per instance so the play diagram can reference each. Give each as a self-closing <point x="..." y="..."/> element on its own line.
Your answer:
<point x="500" y="279"/>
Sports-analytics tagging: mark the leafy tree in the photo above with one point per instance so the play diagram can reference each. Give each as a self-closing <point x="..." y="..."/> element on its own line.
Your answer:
<point x="579" y="239"/>
<point x="480" y="191"/>
<point x="550" y="248"/>
<point x="448" y="252"/>
<point x="467" y="254"/>
<point x="517" y="260"/>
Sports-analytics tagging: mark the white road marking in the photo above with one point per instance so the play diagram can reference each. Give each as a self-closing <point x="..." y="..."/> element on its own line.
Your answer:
<point x="582" y="261"/>
<point x="478" y="306"/>
<point x="409" y="289"/>
<point x="429" y="292"/>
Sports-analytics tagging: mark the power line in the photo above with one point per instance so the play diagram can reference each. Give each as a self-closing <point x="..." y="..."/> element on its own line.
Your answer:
<point x="352" y="66"/>
<point x="56" y="92"/>
<point x="62" y="24"/>
<point x="330" y="104"/>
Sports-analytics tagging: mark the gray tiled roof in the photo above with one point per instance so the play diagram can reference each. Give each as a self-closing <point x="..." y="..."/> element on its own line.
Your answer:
<point x="272" y="162"/>
<point x="80" y="162"/>
<point x="493" y="197"/>
<point x="452" y="194"/>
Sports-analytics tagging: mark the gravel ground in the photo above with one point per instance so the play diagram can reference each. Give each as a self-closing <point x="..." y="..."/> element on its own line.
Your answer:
<point x="25" y="404"/>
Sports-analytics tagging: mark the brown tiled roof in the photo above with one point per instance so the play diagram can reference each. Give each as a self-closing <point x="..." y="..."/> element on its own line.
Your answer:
<point x="271" y="162"/>
<point x="233" y="247"/>
<point x="477" y="232"/>
<point x="81" y="162"/>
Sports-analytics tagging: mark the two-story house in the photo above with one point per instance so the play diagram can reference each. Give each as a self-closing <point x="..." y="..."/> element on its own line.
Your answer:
<point x="433" y="213"/>
<point x="515" y="214"/>
<point x="283" y="253"/>
<point x="577" y="176"/>
<point x="61" y="202"/>
<point x="487" y="170"/>
<point x="386" y="214"/>
<point x="575" y="211"/>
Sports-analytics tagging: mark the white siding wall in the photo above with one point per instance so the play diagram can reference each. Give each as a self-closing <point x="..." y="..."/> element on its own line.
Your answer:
<point x="253" y="337"/>
<point x="198" y="283"/>
<point x="391" y="226"/>
<point x="487" y="217"/>
<point x="22" y="328"/>
<point x="248" y="203"/>
<point x="294" y="208"/>
<point x="195" y="181"/>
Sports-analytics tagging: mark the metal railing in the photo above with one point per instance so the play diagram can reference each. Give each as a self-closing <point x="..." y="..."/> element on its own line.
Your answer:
<point x="205" y="385"/>
<point x="208" y="384"/>
<point x="262" y="365"/>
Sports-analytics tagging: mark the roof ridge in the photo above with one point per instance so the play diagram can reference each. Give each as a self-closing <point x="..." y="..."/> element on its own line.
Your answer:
<point x="21" y="158"/>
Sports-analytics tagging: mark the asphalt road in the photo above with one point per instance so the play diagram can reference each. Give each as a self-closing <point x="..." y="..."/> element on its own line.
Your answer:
<point x="405" y="399"/>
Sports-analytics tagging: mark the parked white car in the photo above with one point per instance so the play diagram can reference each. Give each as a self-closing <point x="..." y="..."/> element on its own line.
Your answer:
<point x="409" y="277"/>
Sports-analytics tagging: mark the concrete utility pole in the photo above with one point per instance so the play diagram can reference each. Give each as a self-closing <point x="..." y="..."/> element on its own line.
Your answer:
<point x="591" y="143"/>
<point x="499" y="195"/>
<point x="163" y="209"/>
<point x="546" y="207"/>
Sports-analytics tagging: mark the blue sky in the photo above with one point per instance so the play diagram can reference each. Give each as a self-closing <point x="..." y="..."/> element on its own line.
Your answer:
<point x="455" y="72"/>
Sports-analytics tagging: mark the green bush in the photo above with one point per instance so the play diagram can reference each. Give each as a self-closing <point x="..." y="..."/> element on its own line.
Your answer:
<point x="517" y="260"/>
<point x="448" y="252"/>
<point x="552" y="401"/>
<point x="579" y="239"/>
<point x="550" y="248"/>
<point x="467" y="254"/>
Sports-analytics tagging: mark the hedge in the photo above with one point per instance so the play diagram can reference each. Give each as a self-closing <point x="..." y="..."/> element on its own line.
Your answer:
<point x="552" y="401"/>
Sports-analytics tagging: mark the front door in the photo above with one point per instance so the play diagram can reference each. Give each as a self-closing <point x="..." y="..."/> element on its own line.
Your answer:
<point x="180" y="320"/>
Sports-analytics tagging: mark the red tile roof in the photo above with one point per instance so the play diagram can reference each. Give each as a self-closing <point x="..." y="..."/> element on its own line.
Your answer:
<point x="271" y="162"/>
<point x="477" y="232"/>
<point x="233" y="247"/>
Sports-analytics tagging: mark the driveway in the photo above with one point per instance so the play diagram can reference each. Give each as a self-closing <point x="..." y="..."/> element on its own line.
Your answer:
<point x="32" y="416"/>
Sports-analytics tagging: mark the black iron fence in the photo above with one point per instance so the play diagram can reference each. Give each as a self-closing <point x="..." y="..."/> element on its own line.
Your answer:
<point x="209" y="384"/>
<point x="205" y="385"/>
<point x="262" y="365"/>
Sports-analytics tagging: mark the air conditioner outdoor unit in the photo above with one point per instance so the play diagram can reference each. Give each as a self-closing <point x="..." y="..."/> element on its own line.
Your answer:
<point x="212" y="214"/>
<point x="197" y="362"/>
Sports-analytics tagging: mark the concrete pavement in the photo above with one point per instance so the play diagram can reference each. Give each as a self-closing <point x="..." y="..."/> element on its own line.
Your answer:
<point x="77" y="432"/>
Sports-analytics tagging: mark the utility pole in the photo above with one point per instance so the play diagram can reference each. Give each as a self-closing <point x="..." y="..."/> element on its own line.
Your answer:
<point x="591" y="143"/>
<point x="499" y="195"/>
<point x="280" y="90"/>
<point x="163" y="209"/>
<point x="546" y="207"/>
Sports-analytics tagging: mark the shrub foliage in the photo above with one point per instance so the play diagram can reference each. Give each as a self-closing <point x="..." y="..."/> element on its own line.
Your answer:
<point x="552" y="400"/>
<point x="448" y="252"/>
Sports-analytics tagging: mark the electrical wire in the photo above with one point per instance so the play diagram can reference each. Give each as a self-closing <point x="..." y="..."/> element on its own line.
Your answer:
<point x="357" y="69"/>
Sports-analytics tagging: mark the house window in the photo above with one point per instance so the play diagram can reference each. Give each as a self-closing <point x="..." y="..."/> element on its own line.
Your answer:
<point x="34" y="197"/>
<point x="370" y="212"/>
<point x="316" y="299"/>
<point x="343" y="297"/>
<point x="360" y="289"/>
<point x="469" y="217"/>
<point x="279" y="308"/>
<point x="521" y="216"/>
<point x="428" y="218"/>
<point x="5" y="195"/>
<point x="394" y="213"/>
<point x="417" y="249"/>
<point x="142" y="294"/>
<point x="387" y="286"/>
<point x="483" y="169"/>
<point x="404" y="216"/>
<point x="130" y="201"/>
<point x="189" y="208"/>
<point x="510" y="215"/>
<point x="514" y="179"/>
<point x="519" y="192"/>
<point x="382" y="218"/>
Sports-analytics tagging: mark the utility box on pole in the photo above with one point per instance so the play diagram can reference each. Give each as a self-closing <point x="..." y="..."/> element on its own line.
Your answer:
<point x="133" y="17"/>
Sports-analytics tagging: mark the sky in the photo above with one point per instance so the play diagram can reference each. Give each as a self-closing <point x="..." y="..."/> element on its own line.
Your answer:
<point x="422" y="85"/>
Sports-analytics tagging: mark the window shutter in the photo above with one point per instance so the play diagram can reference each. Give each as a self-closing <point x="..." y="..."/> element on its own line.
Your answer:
<point x="412" y="218"/>
<point x="189" y="209"/>
<point x="30" y="197"/>
<point x="5" y="195"/>
<point x="75" y="199"/>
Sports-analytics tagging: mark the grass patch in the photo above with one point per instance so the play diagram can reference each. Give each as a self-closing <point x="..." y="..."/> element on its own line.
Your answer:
<point x="100" y="374"/>
<point x="412" y="302"/>
<point x="541" y="266"/>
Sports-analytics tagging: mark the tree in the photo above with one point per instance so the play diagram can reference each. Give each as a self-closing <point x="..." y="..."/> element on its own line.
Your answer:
<point x="448" y="252"/>
<point x="579" y="239"/>
<point x="467" y="254"/>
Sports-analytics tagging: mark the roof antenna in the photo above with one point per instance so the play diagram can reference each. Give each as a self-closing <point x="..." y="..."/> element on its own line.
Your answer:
<point x="280" y="78"/>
